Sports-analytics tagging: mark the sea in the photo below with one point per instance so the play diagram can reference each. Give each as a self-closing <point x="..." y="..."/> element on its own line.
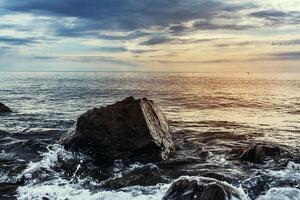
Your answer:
<point x="220" y="112"/>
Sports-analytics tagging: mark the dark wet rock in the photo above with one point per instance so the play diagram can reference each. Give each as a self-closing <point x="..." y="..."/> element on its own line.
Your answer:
<point x="218" y="176"/>
<point x="143" y="176"/>
<point x="8" y="191"/>
<point x="179" y="162"/>
<point x="129" y="129"/>
<point x="200" y="188"/>
<point x="258" y="153"/>
<point x="4" y="108"/>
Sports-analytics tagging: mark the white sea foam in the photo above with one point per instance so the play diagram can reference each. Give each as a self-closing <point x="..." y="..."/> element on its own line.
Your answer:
<point x="49" y="160"/>
<point x="291" y="172"/>
<point x="3" y="177"/>
<point x="280" y="193"/>
<point x="60" y="189"/>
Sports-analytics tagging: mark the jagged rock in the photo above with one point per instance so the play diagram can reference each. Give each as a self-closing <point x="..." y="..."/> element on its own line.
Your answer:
<point x="257" y="153"/>
<point x="143" y="176"/>
<point x="4" y="108"/>
<point x="129" y="129"/>
<point x="200" y="188"/>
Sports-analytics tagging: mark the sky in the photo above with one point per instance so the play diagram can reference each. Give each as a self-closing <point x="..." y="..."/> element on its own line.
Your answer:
<point x="150" y="35"/>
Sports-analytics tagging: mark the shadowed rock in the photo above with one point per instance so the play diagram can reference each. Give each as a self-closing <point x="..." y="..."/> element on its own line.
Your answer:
<point x="4" y="108"/>
<point x="129" y="129"/>
<point x="200" y="188"/>
<point x="257" y="153"/>
<point x="143" y="176"/>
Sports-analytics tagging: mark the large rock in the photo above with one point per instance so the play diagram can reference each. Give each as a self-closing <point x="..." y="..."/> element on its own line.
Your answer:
<point x="129" y="129"/>
<point x="200" y="188"/>
<point x="4" y="108"/>
<point x="257" y="153"/>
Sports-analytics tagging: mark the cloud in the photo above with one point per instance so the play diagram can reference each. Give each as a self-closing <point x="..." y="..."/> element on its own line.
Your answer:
<point x="16" y="41"/>
<point x="177" y="29"/>
<point x="129" y="36"/>
<point x="141" y="51"/>
<point x="213" y="61"/>
<point x="286" y="42"/>
<point x="98" y="59"/>
<point x="206" y="25"/>
<point x="268" y="14"/>
<point x="293" y="55"/>
<point x="277" y="17"/>
<point x="174" y="40"/>
<point x="157" y="40"/>
<point x="120" y="14"/>
<point x="110" y="49"/>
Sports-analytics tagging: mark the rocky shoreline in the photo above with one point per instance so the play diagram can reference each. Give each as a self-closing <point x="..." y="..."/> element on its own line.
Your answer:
<point x="131" y="131"/>
<point x="137" y="130"/>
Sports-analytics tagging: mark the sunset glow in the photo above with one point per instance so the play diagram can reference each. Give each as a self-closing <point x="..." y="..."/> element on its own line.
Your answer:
<point x="130" y="35"/>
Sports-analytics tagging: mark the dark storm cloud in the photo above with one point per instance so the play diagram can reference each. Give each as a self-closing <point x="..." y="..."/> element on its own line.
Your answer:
<point x="16" y="41"/>
<point x="125" y="15"/>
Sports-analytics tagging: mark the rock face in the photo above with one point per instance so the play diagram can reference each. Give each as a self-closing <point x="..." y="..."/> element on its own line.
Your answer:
<point x="129" y="129"/>
<point x="257" y="153"/>
<point x="201" y="188"/>
<point x="4" y="108"/>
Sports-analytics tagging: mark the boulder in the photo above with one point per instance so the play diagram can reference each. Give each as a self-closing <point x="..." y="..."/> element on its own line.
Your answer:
<point x="4" y="108"/>
<point x="130" y="129"/>
<point x="201" y="188"/>
<point x="142" y="176"/>
<point x="257" y="153"/>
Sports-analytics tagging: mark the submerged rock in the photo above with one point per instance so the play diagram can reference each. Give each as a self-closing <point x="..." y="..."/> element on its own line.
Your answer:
<point x="200" y="188"/>
<point x="129" y="129"/>
<point x="257" y="153"/>
<point x="4" y="108"/>
<point x="143" y="176"/>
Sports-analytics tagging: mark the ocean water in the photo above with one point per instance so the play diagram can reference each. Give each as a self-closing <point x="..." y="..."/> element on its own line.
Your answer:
<point x="219" y="112"/>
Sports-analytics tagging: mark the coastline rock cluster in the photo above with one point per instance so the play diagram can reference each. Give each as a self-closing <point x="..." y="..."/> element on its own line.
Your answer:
<point x="136" y="130"/>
